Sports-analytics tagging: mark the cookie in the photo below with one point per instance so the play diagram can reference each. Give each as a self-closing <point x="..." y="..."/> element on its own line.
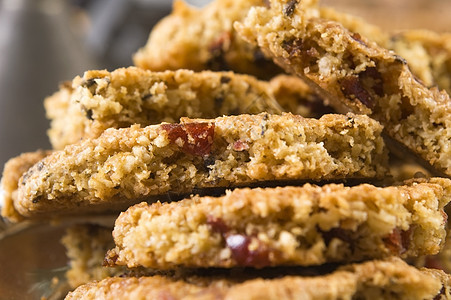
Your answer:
<point x="304" y="226"/>
<point x="204" y="39"/>
<point x="102" y="99"/>
<point x="126" y="166"/>
<point x="86" y="246"/>
<point x="383" y="279"/>
<point x="428" y="53"/>
<point x="354" y="74"/>
<point x="13" y="170"/>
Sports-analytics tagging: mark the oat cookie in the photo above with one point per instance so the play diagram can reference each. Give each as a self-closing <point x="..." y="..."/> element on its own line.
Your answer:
<point x="102" y="99"/>
<point x="383" y="279"/>
<point x="200" y="39"/>
<point x="126" y="166"/>
<point x="86" y="246"/>
<point x="13" y="170"/>
<point x="307" y="225"/>
<point x="354" y="74"/>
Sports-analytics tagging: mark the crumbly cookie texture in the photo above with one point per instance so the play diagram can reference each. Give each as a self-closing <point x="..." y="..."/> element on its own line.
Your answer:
<point x="126" y="96"/>
<point x="428" y="54"/>
<point x="200" y="39"/>
<point x="381" y="279"/>
<point x="126" y="166"/>
<point x="13" y="170"/>
<point x="307" y="225"/>
<point x="357" y="75"/>
<point x="295" y="96"/>
<point x="86" y="246"/>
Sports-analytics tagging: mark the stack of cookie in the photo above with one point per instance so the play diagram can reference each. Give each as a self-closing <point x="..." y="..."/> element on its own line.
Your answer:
<point x="271" y="189"/>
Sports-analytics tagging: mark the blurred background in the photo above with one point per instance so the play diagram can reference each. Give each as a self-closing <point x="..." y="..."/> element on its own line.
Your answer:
<point x="46" y="42"/>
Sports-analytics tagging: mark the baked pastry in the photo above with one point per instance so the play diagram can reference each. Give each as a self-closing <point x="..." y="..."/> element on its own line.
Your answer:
<point x="204" y="39"/>
<point x="13" y="170"/>
<point x="86" y="246"/>
<point x="384" y="279"/>
<point x="353" y="74"/>
<point x="305" y="226"/>
<point x="126" y="166"/>
<point x="102" y="99"/>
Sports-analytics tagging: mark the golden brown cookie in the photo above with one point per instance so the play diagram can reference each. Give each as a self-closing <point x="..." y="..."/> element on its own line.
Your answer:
<point x="126" y="166"/>
<point x="204" y="39"/>
<point x="305" y="226"/>
<point x="384" y="279"/>
<point x="127" y="96"/>
<point x="355" y="74"/>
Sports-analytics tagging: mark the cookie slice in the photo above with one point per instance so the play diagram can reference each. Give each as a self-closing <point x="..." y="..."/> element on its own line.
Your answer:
<point x="354" y="74"/>
<point x="204" y="39"/>
<point x="126" y="166"/>
<point x="380" y="279"/>
<point x="102" y="99"/>
<point x="13" y="170"/>
<point x="428" y="54"/>
<point x="305" y="226"/>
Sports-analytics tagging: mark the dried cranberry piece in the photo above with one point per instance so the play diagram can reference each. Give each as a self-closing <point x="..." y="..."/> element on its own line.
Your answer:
<point x="398" y="241"/>
<point x="376" y="83"/>
<point x="239" y="245"/>
<point x="218" y="225"/>
<point x="193" y="138"/>
<point x="352" y="87"/>
<point x="293" y="47"/>
<point x="240" y="146"/>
